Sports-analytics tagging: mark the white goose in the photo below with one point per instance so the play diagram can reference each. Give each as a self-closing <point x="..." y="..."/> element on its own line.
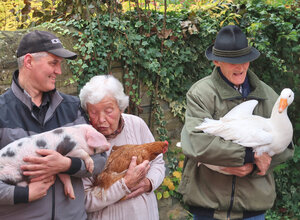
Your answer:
<point x="271" y="135"/>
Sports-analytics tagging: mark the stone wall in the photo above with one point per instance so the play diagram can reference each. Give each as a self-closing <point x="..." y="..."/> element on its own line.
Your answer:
<point x="168" y="208"/>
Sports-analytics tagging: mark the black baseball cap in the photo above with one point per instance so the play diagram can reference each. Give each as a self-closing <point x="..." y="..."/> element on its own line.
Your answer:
<point x="40" y="41"/>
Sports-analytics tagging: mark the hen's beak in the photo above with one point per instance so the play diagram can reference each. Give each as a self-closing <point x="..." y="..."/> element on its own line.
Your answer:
<point x="282" y="105"/>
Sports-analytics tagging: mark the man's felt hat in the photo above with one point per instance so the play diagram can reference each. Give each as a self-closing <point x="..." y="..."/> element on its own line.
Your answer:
<point x="231" y="46"/>
<point x="43" y="41"/>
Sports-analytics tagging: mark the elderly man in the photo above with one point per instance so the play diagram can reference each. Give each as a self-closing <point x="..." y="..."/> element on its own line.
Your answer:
<point x="32" y="105"/>
<point x="250" y="189"/>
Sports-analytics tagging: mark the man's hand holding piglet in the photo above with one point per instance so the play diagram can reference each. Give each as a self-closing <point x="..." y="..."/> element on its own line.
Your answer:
<point x="51" y="163"/>
<point x="38" y="189"/>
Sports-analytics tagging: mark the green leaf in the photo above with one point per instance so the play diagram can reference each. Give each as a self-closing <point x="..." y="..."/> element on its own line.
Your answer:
<point x="158" y="195"/>
<point x="166" y="194"/>
<point x="138" y="24"/>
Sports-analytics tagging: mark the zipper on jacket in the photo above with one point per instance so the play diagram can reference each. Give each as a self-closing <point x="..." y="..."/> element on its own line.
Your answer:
<point x="232" y="197"/>
<point x="53" y="202"/>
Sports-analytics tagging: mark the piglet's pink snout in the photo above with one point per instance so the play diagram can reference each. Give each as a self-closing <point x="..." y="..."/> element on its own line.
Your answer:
<point x="96" y="140"/>
<point x="104" y="147"/>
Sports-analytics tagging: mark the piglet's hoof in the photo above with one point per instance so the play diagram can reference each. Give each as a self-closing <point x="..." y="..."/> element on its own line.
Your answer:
<point x="69" y="192"/>
<point x="89" y="163"/>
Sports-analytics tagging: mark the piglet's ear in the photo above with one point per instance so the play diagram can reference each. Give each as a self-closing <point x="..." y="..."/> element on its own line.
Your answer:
<point x="96" y="139"/>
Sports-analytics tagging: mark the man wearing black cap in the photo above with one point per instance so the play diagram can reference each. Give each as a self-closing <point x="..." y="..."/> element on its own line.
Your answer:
<point x="250" y="189"/>
<point x="32" y="105"/>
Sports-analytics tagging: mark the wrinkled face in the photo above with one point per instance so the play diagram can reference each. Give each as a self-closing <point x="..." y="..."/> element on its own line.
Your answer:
<point x="235" y="73"/>
<point x="44" y="72"/>
<point x="105" y="115"/>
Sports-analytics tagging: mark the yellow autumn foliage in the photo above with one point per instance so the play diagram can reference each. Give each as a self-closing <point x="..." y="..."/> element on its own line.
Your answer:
<point x="180" y="164"/>
<point x="204" y="5"/>
<point x="168" y="182"/>
<point x="177" y="174"/>
<point x="15" y="13"/>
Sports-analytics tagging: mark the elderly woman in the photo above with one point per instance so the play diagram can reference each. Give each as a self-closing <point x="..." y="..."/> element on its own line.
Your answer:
<point x="104" y="100"/>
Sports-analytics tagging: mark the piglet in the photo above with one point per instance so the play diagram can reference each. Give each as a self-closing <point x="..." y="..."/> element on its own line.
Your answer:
<point x="76" y="141"/>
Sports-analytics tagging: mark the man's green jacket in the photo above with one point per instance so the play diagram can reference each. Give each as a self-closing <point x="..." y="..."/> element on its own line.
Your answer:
<point x="224" y="196"/>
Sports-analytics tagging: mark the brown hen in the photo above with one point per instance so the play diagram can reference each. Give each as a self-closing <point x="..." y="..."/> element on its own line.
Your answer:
<point x="120" y="158"/>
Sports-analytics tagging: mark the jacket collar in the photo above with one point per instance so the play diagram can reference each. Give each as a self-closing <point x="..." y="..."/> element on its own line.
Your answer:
<point x="19" y="92"/>
<point x="226" y="91"/>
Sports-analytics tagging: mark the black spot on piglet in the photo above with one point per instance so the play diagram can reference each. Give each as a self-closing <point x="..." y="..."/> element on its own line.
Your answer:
<point x="8" y="153"/>
<point x="65" y="146"/>
<point x="41" y="143"/>
<point x="58" y="131"/>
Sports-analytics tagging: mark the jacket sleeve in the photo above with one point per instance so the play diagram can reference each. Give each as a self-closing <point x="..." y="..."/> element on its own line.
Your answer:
<point x="203" y="147"/>
<point x="99" y="163"/>
<point x="6" y="194"/>
<point x="10" y="195"/>
<point x="156" y="173"/>
<point x="97" y="199"/>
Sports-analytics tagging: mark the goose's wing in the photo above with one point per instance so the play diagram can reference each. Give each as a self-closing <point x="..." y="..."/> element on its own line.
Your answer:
<point x="251" y="131"/>
<point x="243" y="109"/>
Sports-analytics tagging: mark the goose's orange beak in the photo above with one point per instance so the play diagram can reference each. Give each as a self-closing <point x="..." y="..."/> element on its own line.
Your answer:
<point x="282" y="105"/>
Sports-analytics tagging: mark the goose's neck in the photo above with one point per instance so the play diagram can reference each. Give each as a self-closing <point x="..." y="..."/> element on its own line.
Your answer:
<point x="276" y="116"/>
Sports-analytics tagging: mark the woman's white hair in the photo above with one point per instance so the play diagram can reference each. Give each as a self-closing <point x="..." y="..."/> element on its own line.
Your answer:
<point x="100" y="86"/>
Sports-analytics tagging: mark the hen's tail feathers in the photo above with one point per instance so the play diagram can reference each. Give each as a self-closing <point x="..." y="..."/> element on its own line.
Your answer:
<point x="106" y="179"/>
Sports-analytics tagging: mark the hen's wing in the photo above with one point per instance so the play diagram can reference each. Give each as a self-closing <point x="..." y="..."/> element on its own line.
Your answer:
<point x="120" y="158"/>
